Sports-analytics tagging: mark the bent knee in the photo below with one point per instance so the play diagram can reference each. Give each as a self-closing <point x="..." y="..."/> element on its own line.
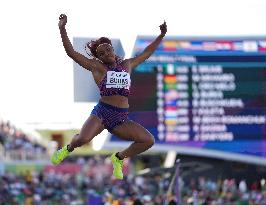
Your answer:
<point x="150" y="141"/>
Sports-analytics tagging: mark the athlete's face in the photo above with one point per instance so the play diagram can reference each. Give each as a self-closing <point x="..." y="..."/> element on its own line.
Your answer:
<point x="105" y="53"/>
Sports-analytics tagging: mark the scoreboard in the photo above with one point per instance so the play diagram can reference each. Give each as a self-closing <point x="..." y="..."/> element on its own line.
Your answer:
<point x="203" y="93"/>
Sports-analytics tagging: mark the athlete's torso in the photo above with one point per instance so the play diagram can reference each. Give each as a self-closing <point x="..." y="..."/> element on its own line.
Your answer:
<point x="114" y="85"/>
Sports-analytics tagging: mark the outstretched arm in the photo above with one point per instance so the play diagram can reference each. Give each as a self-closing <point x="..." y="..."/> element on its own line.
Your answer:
<point x="148" y="51"/>
<point x="83" y="61"/>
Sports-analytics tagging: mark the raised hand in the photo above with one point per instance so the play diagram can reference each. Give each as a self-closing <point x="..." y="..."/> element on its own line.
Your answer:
<point x="62" y="20"/>
<point x="163" y="28"/>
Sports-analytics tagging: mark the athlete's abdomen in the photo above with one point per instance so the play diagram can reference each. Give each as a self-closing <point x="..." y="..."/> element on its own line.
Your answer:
<point x="116" y="100"/>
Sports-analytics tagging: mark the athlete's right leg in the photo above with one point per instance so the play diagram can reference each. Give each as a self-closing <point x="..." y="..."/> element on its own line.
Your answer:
<point x="92" y="127"/>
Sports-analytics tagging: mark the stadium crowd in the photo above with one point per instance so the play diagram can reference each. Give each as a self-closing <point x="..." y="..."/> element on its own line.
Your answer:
<point x="16" y="144"/>
<point x="74" y="186"/>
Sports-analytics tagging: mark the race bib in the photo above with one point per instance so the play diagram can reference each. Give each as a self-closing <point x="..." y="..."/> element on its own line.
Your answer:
<point x="118" y="80"/>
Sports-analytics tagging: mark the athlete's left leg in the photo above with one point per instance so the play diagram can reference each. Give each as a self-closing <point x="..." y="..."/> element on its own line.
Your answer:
<point x="133" y="131"/>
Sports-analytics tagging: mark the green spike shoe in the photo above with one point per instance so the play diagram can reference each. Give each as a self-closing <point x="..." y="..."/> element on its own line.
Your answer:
<point x="117" y="167"/>
<point x="59" y="155"/>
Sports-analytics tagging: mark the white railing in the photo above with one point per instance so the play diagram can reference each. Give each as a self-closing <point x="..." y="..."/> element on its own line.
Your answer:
<point x="2" y="151"/>
<point x="22" y="155"/>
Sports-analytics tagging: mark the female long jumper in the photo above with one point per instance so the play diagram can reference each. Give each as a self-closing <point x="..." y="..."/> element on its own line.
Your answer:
<point x="112" y="76"/>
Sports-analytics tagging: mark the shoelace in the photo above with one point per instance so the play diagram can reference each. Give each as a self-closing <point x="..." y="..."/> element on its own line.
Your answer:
<point x="58" y="155"/>
<point x="120" y="163"/>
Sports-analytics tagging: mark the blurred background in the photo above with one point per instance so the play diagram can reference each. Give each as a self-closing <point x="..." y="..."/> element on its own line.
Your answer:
<point x="201" y="94"/>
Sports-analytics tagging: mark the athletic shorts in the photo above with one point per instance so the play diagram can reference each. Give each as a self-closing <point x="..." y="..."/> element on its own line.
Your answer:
<point x="111" y="116"/>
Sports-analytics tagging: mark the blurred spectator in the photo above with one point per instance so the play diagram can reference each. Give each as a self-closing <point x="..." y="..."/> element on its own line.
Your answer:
<point x="137" y="202"/>
<point x="17" y="145"/>
<point x="243" y="186"/>
<point x="65" y="187"/>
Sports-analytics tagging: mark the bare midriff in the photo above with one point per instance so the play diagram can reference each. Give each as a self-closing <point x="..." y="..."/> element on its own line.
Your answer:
<point x="116" y="100"/>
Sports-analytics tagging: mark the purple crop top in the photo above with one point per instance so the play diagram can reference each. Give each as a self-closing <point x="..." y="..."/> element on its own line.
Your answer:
<point x="116" y="82"/>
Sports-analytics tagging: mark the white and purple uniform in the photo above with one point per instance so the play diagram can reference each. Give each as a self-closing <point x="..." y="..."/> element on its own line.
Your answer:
<point x="116" y="82"/>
